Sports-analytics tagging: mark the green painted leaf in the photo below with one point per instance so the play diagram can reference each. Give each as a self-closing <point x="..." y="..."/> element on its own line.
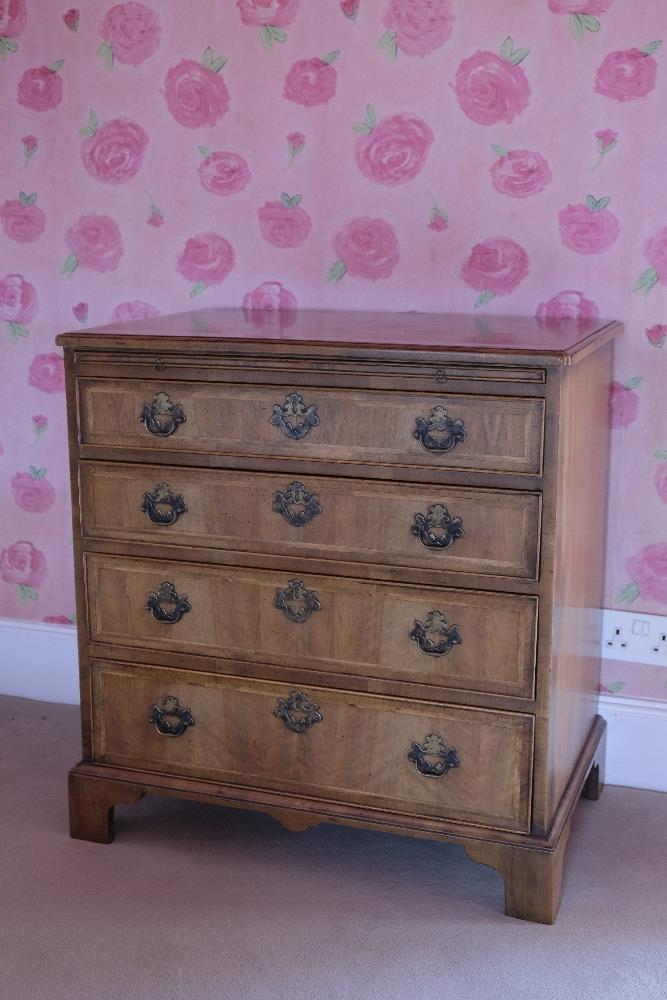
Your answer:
<point x="2" y="48"/>
<point x="601" y="203"/>
<point x="11" y="44"/>
<point x="57" y="66"/>
<point x="218" y="64"/>
<point x="629" y="594"/>
<point x="507" y="48"/>
<point x="388" y="42"/>
<point x="23" y="197"/>
<point x="371" y="115"/>
<point x="266" y="37"/>
<point x="11" y="332"/>
<point x="197" y="289"/>
<point x="615" y="686"/>
<point x="648" y="50"/>
<point x="105" y="52"/>
<point x="32" y="198"/>
<point x="499" y="150"/>
<point x="591" y="202"/>
<point x="37" y="473"/>
<point x="278" y="35"/>
<point x="519" y="56"/>
<point x="336" y="272"/>
<point x="207" y="57"/>
<point x="363" y="128"/>
<point x="285" y="199"/>
<point x="331" y="57"/>
<point x="27" y="593"/>
<point x="205" y="151"/>
<point x="485" y="297"/>
<point x="632" y="383"/>
<point x="589" y="22"/>
<point x="661" y="455"/>
<point x="70" y="265"/>
<point x="576" y="27"/>
<point x="647" y="280"/>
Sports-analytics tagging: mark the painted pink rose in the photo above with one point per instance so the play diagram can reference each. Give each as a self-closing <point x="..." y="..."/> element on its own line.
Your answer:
<point x="606" y="138"/>
<point x="114" y="154"/>
<point x="283" y="223"/>
<point x="23" y="564"/>
<point x="310" y="82"/>
<point x="655" y="250"/>
<point x="626" y="76"/>
<point x="295" y="144"/>
<point x="40" y="89"/>
<point x="272" y="13"/>
<point x="224" y="173"/>
<point x="660" y="480"/>
<point x="195" y="94"/>
<point x="648" y="570"/>
<point x="125" y="312"/>
<point x="22" y="220"/>
<point x="133" y="32"/>
<point x="579" y="6"/>
<point x="350" y="8"/>
<point x="18" y="299"/>
<point x="567" y="305"/>
<point x="58" y="620"/>
<point x="80" y="311"/>
<point x="496" y="265"/>
<point x="95" y="242"/>
<point x="657" y="335"/>
<point x="32" y="492"/>
<point x="12" y="18"/>
<point x="419" y="26"/>
<point x="623" y="405"/>
<point x="270" y="295"/>
<point x="395" y="151"/>
<point x="207" y="258"/>
<point x="490" y="89"/>
<point x="520" y="173"/>
<point x="588" y="230"/>
<point x="367" y="248"/>
<point x="40" y="422"/>
<point x="438" y="222"/>
<point x="71" y="18"/>
<point x="155" y="217"/>
<point x="47" y="373"/>
<point x="30" y="144"/>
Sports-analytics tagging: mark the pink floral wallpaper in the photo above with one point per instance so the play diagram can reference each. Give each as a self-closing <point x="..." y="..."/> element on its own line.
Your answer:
<point x="438" y="155"/>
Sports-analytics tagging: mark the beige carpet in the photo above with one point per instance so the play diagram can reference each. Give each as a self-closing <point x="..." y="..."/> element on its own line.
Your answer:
<point x="195" y="901"/>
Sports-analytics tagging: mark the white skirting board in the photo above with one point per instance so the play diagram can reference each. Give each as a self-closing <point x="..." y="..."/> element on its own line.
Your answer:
<point x="39" y="661"/>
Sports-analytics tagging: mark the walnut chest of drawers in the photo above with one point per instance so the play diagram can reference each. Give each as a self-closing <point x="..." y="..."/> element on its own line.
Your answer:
<point x="344" y="567"/>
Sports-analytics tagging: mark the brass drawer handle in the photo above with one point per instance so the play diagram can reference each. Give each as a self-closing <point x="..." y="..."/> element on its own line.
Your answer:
<point x="309" y="713"/>
<point x="437" y="529"/>
<point x="434" y="636"/>
<point x="163" y="506"/>
<point x="167" y="595"/>
<point x="296" y="495"/>
<point x="440" y="432"/>
<point x="294" y="418"/>
<point x="162" y="417"/>
<point x="171" y="719"/>
<point x="432" y="758"/>
<point x="297" y="602"/>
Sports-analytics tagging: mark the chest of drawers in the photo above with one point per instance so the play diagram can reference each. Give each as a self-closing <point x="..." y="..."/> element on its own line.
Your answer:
<point x="346" y="568"/>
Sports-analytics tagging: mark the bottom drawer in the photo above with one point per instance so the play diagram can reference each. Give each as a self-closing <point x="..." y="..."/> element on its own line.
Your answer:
<point x="415" y="757"/>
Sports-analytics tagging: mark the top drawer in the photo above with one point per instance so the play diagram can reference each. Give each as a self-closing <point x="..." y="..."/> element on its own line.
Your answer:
<point x="485" y="433"/>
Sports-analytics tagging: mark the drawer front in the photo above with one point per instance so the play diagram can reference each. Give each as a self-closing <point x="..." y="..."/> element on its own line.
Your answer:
<point x="457" y="530"/>
<point x="446" y="638"/>
<point x="485" y="433"/>
<point x="335" y="745"/>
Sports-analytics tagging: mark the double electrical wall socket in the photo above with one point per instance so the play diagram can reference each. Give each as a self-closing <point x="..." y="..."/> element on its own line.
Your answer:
<point x="634" y="637"/>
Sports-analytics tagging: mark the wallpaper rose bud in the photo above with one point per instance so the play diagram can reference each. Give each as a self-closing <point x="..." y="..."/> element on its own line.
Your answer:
<point x="437" y="155"/>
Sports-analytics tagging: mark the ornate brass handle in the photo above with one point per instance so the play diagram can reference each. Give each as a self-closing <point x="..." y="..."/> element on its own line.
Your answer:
<point x="163" y="506"/>
<point x="434" y="636"/>
<point x="297" y="602"/>
<point x="162" y="417"/>
<point x="439" y="432"/>
<point x="296" y="495"/>
<point x="432" y="758"/>
<point x="294" y="418"/>
<point x="437" y="529"/>
<point x="170" y="719"/>
<point x="308" y="712"/>
<point x="167" y="595"/>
